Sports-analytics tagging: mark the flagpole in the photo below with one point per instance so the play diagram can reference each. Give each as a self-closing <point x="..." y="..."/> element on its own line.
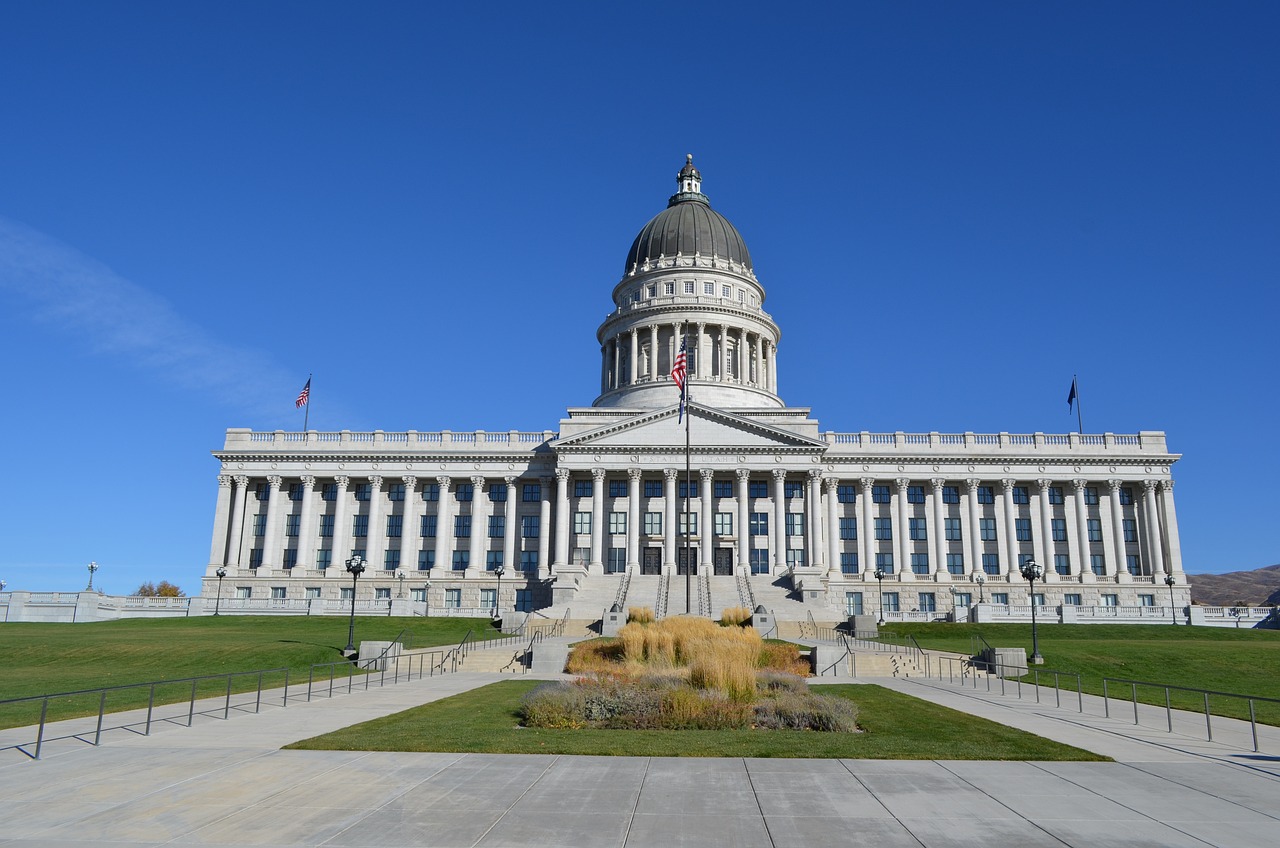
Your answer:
<point x="1079" y="413"/>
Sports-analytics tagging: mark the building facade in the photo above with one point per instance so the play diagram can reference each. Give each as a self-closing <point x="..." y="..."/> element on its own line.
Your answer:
<point x="946" y="518"/>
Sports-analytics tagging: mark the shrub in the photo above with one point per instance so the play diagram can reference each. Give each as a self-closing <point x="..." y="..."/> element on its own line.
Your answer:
<point x="784" y="658"/>
<point x="735" y="616"/>
<point x="640" y="615"/>
<point x="778" y="681"/>
<point x="595" y="657"/>
<point x="783" y="710"/>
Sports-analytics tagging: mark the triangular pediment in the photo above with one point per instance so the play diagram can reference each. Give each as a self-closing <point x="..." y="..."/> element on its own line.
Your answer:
<point x="708" y="428"/>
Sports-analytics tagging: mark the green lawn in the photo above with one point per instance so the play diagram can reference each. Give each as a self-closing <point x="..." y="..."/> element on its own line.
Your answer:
<point x="44" y="659"/>
<point x="898" y="727"/>
<point x="1216" y="658"/>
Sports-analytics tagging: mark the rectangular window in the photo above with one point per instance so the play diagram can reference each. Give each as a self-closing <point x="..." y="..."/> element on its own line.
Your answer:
<point x="1055" y="494"/>
<point x="1091" y="495"/>
<point x="1096" y="564"/>
<point x="848" y="528"/>
<point x="653" y="524"/>
<point x="920" y="563"/>
<point x="760" y="524"/>
<point x="757" y="489"/>
<point x="1130" y="526"/>
<point x="849" y="563"/>
<point x="255" y="558"/>
<point x="464" y="493"/>
<point x="382" y="594"/>
<point x="1000" y="598"/>
<point x="426" y="560"/>
<point x="1059" y="529"/>
<point x="795" y="523"/>
<point x="528" y="561"/>
<point x="453" y="598"/>
<point x="295" y="491"/>
<point x="312" y="592"/>
<point x="328" y="491"/>
<point x="616" y="563"/>
<point x="1126" y="496"/>
<point x="759" y="561"/>
<point x="260" y="525"/>
<point x="531" y="492"/>
<point x="726" y="291"/>
<point x="617" y="488"/>
<point x="653" y="488"/>
<point x="498" y="492"/>
<point x="986" y="494"/>
<point x="688" y="524"/>
<point x="360" y="526"/>
<point x="987" y="529"/>
<point x="991" y="563"/>
<point x="724" y="523"/>
<point x="292" y="525"/>
<point x="708" y="288"/>
<point x="955" y="563"/>
<point x="497" y="526"/>
<point x="951" y="494"/>
<point x="1022" y="529"/>
<point x="884" y="529"/>
<point x="722" y="489"/>
<point x="1023" y="559"/>
<point x="1110" y="600"/>
<point x="461" y="559"/>
<point x="428" y="527"/>
<point x="263" y="492"/>
<point x="391" y="559"/>
<point x="793" y="490"/>
<point x="290" y="557"/>
<point x="493" y="560"/>
<point x="853" y="603"/>
<point x="617" y="523"/>
<point x="396" y="492"/>
<point x="529" y="528"/>
<point x="364" y="491"/>
<point x="951" y="529"/>
<point x="418" y="595"/>
<point x="688" y="286"/>
<point x="795" y="558"/>
<point x="324" y="557"/>
<point x="1021" y="495"/>
<point x="880" y="494"/>
<point x="394" y="524"/>
<point x="687" y="489"/>
<point x="1095" y="529"/>
<point x="1131" y="562"/>
<point x="1061" y="564"/>
<point x="462" y="527"/>
<point x="884" y="562"/>
<point x="582" y="488"/>
<point x="668" y="288"/>
<point x="915" y="494"/>
<point x="928" y="602"/>
<point x="1038" y="599"/>
<point x="918" y="530"/>
<point x="846" y="494"/>
<point x="890" y="602"/>
<point x="345" y="593"/>
<point x="1146" y="600"/>
<point x="964" y="599"/>
<point x="582" y="522"/>
<point x="431" y="492"/>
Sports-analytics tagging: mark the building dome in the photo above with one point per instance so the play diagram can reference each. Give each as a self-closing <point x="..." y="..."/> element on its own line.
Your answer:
<point x="688" y="226"/>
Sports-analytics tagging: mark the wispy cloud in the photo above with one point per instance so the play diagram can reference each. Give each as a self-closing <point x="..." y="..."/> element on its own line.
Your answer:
<point x="79" y="295"/>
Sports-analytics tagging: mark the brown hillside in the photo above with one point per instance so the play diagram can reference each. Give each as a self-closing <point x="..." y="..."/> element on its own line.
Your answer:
<point x="1260" y="587"/>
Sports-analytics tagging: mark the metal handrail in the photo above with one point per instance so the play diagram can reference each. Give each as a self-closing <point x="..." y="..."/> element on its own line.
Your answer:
<point x="969" y="670"/>
<point x="1208" y="721"/>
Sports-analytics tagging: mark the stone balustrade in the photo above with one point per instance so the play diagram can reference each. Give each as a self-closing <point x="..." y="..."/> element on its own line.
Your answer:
<point x="915" y="444"/>
<point x="315" y="440"/>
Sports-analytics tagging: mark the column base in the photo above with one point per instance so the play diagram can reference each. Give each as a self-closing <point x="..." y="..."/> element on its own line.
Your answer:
<point x="1088" y="577"/>
<point x="907" y="577"/>
<point x="1124" y="577"/>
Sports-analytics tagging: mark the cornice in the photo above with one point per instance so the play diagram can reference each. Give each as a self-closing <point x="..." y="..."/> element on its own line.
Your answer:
<point x="646" y="314"/>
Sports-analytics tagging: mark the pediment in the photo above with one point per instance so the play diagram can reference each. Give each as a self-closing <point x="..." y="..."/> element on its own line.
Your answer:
<point x="708" y="428"/>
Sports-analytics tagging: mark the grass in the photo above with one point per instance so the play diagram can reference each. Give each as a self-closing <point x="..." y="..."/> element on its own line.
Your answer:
<point x="42" y="658"/>
<point x="486" y="720"/>
<point x="1215" y="658"/>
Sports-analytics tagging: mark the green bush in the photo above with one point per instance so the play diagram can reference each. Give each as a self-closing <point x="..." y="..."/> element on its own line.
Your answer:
<point x="786" y="710"/>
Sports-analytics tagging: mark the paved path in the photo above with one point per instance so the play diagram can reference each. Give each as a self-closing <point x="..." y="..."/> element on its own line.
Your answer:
<point x="227" y="783"/>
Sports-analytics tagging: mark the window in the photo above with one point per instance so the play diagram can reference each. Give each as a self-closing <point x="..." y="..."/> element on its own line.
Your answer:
<point x="795" y="523"/>
<point x="724" y="523"/>
<point x="328" y="491"/>
<point x="428" y="527"/>
<point x="722" y="489"/>
<point x="359" y="552"/>
<point x="986" y="494"/>
<point x="1095" y="529"/>
<point x="1055" y="494"/>
<point x="1130" y="529"/>
<point x="991" y="563"/>
<point x="890" y="602"/>
<point x="1061" y="564"/>
<point x="955" y="563"/>
<point x="853" y="603"/>
<point x="1059" y="529"/>
<point x="260" y="525"/>
<point x="426" y="560"/>
<point x="1000" y="598"/>
<point x="709" y="288"/>
<point x="1146" y="600"/>
<point x="653" y="488"/>
<point x="461" y="559"/>
<point x="757" y="489"/>
<point x="884" y="562"/>
<point x="312" y="592"/>
<point x="364" y="491"/>
<point x="346" y="593"/>
<point x="390" y="559"/>
<point x="1126" y="496"/>
<point x="964" y="599"/>
<point x="848" y="528"/>
<point x="760" y="524"/>
<point x="1131" y="562"/>
<point x="394" y="523"/>
<point x="531" y="492"/>
<point x="418" y="595"/>
<point x="951" y="494"/>
<point x="263" y="492"/>
<point x="529" y="528"/>
<point x="915" y="494"/>
<point x="1091" y="495"/>
<point x="795" y="558"/>
<point x="292" y="524"/>
<point x="295" y="491"/>
<point x="498" y="492"/>
<point x="464" y="493"/>
<point x="1023" y="559"/>
<point x="617" y="488"/>
<point x="653" y="524"/>
<point x="617" y="523"/>
<point x="431" y="492"/>
<point x="1021" y="495"/>
<point x="916" y="527"/>
<point x="1022" y="529"/>
<point x="928" y="602"/>
<point x="688" y="489"/>
<point x="726" y="291"/>
<point x="1096" y="564"/>
<point x="793" y="490"/>
<point x="616" y="563"/>
<point x="582" y="488"/>
<point x="987" y="529"/>
<point x="688" y="286"/>
<point x="493" y="560"/>
<point x="497" y="526"/>
<point x="920" y="563"/>
<point x="528" y="560"/>
<point x="951" y="529"/>
<point x="848" y="563"/>
<point x="668" y="288"/>
<point x="880" y="494"/>
<point x="324" y="557"/>
<point x="1038" y="599"/>
<point x="453" y="598"/>
<point x="360" y="526"/>
<point x="396" y="492"/>
<point x="582" y="522"/>
<point x="846" y="494"/>
<point x="759" y="561"/>
<point x="290" y="557"/>
<point x="884" y="529"/>
<point x="688" y="524"/>
<point x="1110" y="600"/>
<point x="462" y="527"/>
<point x="652" y="291"/>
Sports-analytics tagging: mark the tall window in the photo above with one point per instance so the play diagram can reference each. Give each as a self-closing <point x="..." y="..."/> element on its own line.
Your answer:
<point x="955" y="563"/>
<point x="1096" y="564"/>
<point x="1095" y="529"/>
<point x="391" y="559"/>
<point x="920" y="563"/>
<point x="760" y="524"/>
<point x="465" y="492"/>
<point x="848" y="528"/>
<point x="1061" y="564"/>
<point x="724" y="523"/>
<point x="918" y="530"/>
<point x="395" y="492"/>
<point x="617" y="523"/>
<point x="1059" y="529"/>
<point x="880" y="494"/>
<point x="884" y="529"/>
<point x="1021" y="495"/>
<point x="1146" y="600"/>
<point x="428" y="527"/>
<point x="915" y="494"/>
<point x="394" y="524"/>
<point x="884" y="561"/>
<point x="795" y="523"/>
<point x="426" y="560"/>
<point x="987" y="529"/>
<point x="793" y="490"/>
<point x="951" y="529"/>
<point x="617" y="488"/>
<point x="462" y="526"/>
<point x="688" y="523"/>
<point x="795" y="558"/>
<point x="951" y="494"/>
<point x="582" y="522"/>
<point x="328" y="491"/>
<point x="1130" y="529"/>
<point x="1055" y="494"/>
<point x="260" y="525"/>
<point x="295" y="491"/>
<point x="529" y="528"/>
<point x="431" y="492"/>
<point x="757" y="489"/>
<point x="722" y="489"/>
<point x="890" y="602"/>
<point x="461" y="559"/>
<point x="582" y="488"/>
<point x="498" y="492"/>
<point x="1091" y="495"/>
<point x="290" y="557"/>
<point x="653" y="524"/>
<point x="292" y="524"/>
<point x="853" y="603"/>
<point x="1022" y="529"/>
<point x="360" y="526"/>
<point x="1126" y="496"/>
<point x="846" y="494"/>
<point x="687" y="489"/>
<point x="531" y="492"/>
<point x="759" y="561"/>
<point x="528" y="561"/>
<point x="928" y="602"/>
<point x="617" y="561"/>
<point x="653" y="488"/>
<point x="497" y="526"/>
<point x="1131" y="562"/>
<point x="324" y="557"/>
<point x="453" y="598"/>
<point x="991" y="563"/>
<point x="849" y="562"/>
<point x="493" y="560"/>
<point x="986" y="494"/>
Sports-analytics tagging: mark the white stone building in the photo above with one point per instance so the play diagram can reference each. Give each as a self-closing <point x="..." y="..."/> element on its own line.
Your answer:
<point x="772" y="497"/>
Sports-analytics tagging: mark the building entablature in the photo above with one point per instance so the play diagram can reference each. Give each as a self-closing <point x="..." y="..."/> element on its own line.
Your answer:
<point x="1030" y="449"/>
<point x="246" y="442"/>
<point x="707" y="312"/>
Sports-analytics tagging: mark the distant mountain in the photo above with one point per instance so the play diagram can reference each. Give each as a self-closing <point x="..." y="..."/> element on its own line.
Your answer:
<point x="1260" y="587"/>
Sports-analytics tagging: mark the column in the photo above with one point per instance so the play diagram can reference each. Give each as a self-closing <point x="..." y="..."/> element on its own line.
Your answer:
<point x="759" y="354"/>
<point x="1116" y="565"/>
<point x="632" y="376"/>
<point x="903" y="533"/>
<point x="444" y="527"/>
<point x="707" y="522"/>
<point x="779" y="521"/>
<point x="975" y="535"/>
<point x="597" y="520"/>
<point x="562" y="519"/>
<point x="341" y="531"/>
<point x="307" y="525"/>
<point x="633" y="520"/>
<point x="271" y="539"/>
<point x="604" y="368"/>
<point x="509" y="558"/>
<point x="544" y="528"/>
<point x="773" y="367"/>
<point x="1085" y="571"/>
<point x="1044" y="551"/>
<point x="221" y="523"/>
<point x="866" y="529"/>
<point x="703" y="371"/>
<point x="410" y="525"/>
<point x="236" y="544"/>
<point x="670" y="529"/>
<point x="377" y="542"/>
<point x="830" y="486"/>
<point x="939" y="530"/>
<point x="724" y="353"/>
<point x="743" y="476"/>
<point x="1169" y="521"/>
<point x="653" y="352"/>
<point x="1151" y="520"/>
<point x="815" y="557"/>
<point x="1010" y="530"/>
<point x="479" y="530"/>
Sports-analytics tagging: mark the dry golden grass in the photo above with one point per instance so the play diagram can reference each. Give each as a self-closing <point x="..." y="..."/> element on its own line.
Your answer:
<point x="735" y="616"/>
<point x="641" y="615"/>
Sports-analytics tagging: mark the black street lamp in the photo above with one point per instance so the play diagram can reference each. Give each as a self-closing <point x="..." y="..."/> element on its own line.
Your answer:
<point x="497" y="598"/>
<point x="1033" y="571"/>
<point x="981" y="580"/>
<point x="221" y="572"/>
<point x="355" y="567"/>
<point x="1173" y="613"/>
<point x="880" y="590"/>
<point x="93" y="566"/>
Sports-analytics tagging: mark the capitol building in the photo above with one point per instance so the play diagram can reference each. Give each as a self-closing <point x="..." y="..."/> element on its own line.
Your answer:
<point x="779" y="511"/>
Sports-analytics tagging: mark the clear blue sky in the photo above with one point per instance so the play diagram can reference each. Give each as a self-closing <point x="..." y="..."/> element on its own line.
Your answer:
<point x="953" y="207"/>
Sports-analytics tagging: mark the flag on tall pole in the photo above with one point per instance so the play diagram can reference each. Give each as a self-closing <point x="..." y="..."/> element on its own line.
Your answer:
<point x="679" y="371"/>
<point x="1073" y="399"/>
<point x="1071" y="395"/>
<point x="304" y="400"/>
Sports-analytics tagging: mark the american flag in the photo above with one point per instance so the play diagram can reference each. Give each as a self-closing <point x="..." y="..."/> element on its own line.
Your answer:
<point x="678" y="372"/>
<point x="303" y="396"/>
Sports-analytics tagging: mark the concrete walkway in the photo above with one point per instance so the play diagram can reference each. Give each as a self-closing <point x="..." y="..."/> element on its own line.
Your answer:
<point x="227" y="783"/>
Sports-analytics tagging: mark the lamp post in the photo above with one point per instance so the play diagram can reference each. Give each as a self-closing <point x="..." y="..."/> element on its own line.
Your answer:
<point x="93" y="566"/>
<point x="880" y="590"/>
<point x="1032" y="570"/>
<point x="2" y="585"/>
<point x="981" y="580"/>
<point x="400" y="577"/>
<point x="426" y="597"/>
<point x="1173" y="613"/>
<point x="355" y="567"/>
<point x="1237" y="611"/>
<point x="497" y="598"/>
<point x="221" y="572"/>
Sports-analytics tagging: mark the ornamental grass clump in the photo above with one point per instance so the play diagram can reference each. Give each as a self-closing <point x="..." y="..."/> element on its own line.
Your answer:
<point x="735" y="617"/>
<point x="641" y="615"/>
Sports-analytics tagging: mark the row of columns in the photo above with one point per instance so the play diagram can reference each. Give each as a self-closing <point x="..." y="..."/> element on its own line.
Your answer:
<point x="755" y="362"/>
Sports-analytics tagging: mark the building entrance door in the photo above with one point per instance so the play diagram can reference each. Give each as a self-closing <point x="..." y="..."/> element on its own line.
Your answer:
<point x="723" y="562"/>
<point x="682" y="560"/>
<point x="651" y="561"/>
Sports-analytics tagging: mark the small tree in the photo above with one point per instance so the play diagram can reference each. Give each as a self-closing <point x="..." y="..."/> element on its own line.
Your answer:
<point x="146" y="590"/>
<point x="164" y="589"/>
